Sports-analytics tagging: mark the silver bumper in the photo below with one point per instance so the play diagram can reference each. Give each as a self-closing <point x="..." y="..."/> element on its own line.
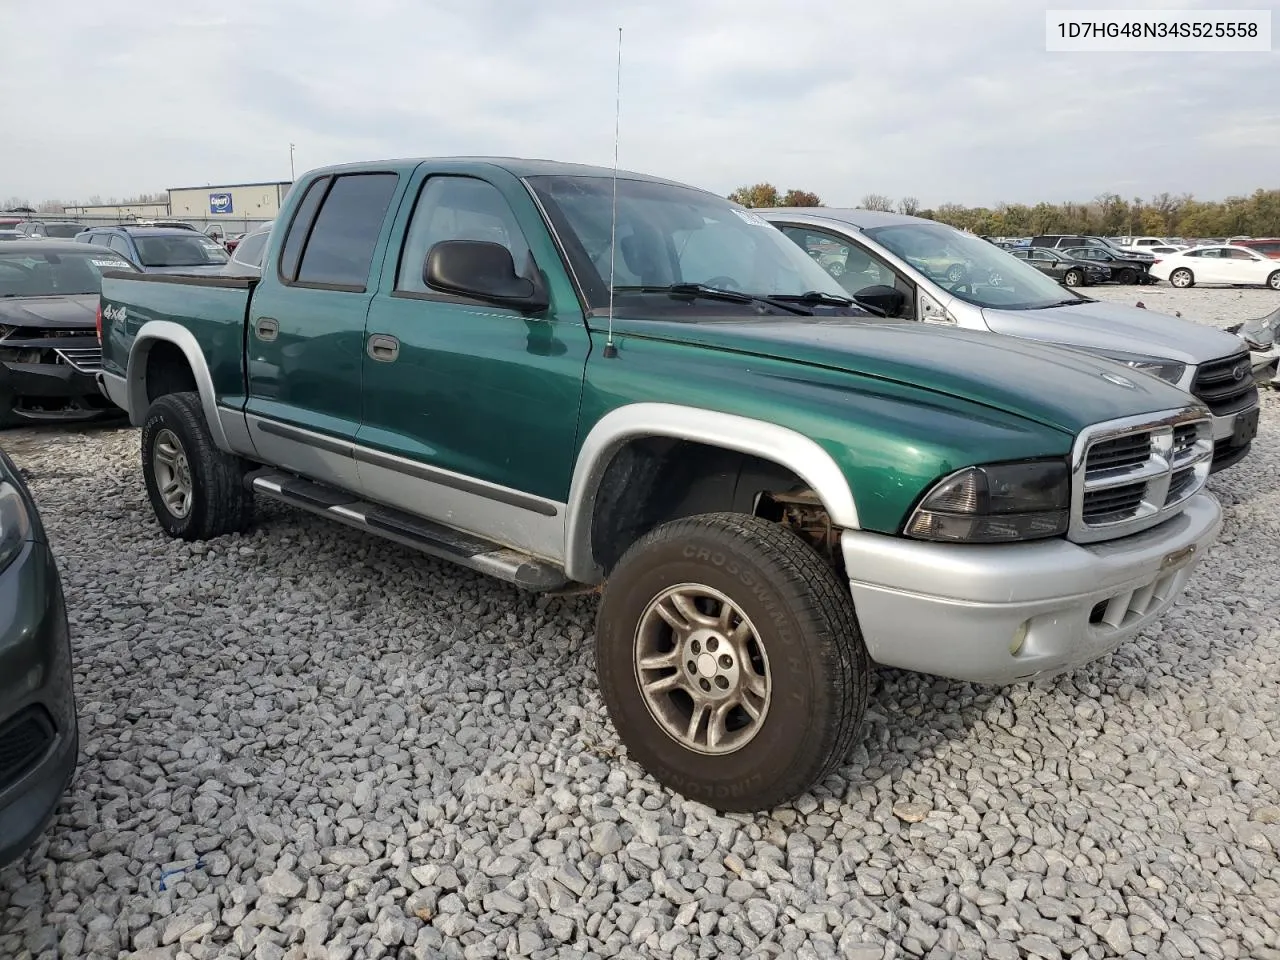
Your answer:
<point x="956" y="610"/>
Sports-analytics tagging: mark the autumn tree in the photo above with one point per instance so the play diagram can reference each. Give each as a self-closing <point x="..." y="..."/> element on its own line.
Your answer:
<point x="801" y="198"/>
<point x="760" y="195"/>
<point x="766" y="195"/>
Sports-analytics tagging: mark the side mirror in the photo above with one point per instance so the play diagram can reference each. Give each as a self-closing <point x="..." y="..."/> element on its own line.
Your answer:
<point x="881" y="298"/>
<point x="484" y="270"/>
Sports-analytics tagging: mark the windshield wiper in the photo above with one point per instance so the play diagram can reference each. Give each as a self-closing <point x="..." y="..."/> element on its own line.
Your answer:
<point x="1070" y="302"/>
<point x="698" y="290"/>
<point x="815" y="296"/>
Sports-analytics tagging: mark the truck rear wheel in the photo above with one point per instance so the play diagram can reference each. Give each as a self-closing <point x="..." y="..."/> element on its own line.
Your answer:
<point x="730" y="660"/>
<point x="196" y="490"/>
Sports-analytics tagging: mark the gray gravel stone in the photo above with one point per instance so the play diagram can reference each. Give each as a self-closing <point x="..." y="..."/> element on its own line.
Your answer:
<point x="301" y="743"/>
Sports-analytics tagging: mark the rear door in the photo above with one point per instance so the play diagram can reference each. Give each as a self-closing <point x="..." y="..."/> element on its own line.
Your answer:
<point x="305" y="341"/>
<point x="471" y="409"/>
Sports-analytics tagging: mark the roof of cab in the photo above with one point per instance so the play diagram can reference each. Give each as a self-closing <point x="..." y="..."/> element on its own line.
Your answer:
<point x="516" y="166"/>
<point x="863" y="219"/>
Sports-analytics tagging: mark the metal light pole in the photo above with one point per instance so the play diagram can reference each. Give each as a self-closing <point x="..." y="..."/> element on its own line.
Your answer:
<point x="291" y="173"/>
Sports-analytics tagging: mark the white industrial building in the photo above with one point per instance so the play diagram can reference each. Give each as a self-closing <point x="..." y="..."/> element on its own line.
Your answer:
<point x="235" y="207"/>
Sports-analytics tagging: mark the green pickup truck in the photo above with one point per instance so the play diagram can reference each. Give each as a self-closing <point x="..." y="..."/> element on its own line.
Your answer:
<point x="573" y="382"/>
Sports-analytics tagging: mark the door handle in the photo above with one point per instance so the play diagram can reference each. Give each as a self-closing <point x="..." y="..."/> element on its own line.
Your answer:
<point x="266" y="328"/>
<point x="383" y="347"/>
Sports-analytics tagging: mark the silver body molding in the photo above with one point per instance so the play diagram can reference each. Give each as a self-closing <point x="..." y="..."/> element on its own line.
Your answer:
<point x="149" y="334"/>
<point x="956" y="610"/>
<point x="769" y="441"/>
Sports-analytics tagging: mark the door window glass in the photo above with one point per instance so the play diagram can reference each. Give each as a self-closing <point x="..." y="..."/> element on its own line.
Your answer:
<point x="298" y="228"/>
<point x="457" y="208"/>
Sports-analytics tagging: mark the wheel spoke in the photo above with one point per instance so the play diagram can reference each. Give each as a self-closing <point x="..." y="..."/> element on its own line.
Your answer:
<point x="726" y="617"/>
<point x="665" y="609"/>
<point x="684" y="603"/>
<point x="752" y="710"/>
<point x="753" y="682"/>
<point x="169" y="489"/>
<point x="659" y="661"/>
<point x="695" y="720"/>
<point x="665" y="684"/>
<point x="716" y="729"/>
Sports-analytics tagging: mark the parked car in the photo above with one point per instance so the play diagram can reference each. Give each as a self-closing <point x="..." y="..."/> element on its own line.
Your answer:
<point x="1227" y="264"/>
<point x="773" y="487"/>
<point x="168" y="224"/>
<point x="1062" y="266"/>
<point x="1267" y="246"/>
<point x="161" y="250"/>
<point x="246" y="261"/>
<point x="49" y="351"/>
<point x="10" y="235"/>
<point x="1065" y="241"/>
<point x="39" y="737"/>
<point x="1262" y="334"/>
<point x="1143" y="244"/>
<point x="1124" y="268"/>
<point x="1024" y="303"/>
<point x="58" y="229"/>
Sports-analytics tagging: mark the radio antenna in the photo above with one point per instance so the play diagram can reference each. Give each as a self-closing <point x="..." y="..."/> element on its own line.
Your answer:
<point x="609" y="349"/>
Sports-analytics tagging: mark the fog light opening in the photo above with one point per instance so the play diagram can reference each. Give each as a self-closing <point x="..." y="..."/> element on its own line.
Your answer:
<point x="1019" y="638"/>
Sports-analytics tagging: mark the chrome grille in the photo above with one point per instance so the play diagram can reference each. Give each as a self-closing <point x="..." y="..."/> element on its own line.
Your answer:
<point x="1130" y="474"/>
<point x="1226" y="385"/>
<point x="84" y="359"/>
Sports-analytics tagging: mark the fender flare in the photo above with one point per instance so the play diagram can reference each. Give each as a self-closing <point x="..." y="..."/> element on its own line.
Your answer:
<point x="759" y="438"/>
<point x="166" y="331"/>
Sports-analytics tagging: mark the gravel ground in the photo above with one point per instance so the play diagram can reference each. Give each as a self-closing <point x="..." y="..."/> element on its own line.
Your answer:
<point x="306" y="743"/>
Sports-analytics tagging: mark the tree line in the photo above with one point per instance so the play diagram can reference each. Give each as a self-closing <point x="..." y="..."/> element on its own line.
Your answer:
<point x="57" y="206"/>
<point x="1109" y="215"/>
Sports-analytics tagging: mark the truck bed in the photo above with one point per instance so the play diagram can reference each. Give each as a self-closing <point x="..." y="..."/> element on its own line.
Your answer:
<point x="213" y="309"/>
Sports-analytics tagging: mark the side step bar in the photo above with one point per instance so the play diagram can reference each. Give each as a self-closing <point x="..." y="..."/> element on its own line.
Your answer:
<point x="431" y="538"/>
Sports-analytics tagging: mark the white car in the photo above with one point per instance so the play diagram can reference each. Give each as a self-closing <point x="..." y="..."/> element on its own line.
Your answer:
<point x="1218" y="264"/>
<point x="1146" y="244"/>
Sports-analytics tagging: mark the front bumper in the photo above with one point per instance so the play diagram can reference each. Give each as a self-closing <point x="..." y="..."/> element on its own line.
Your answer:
<point x="954" y="610"/>
<point x="1233" y="436"/>
<point x="39" y="740"/>
<point x="49" y="391"/>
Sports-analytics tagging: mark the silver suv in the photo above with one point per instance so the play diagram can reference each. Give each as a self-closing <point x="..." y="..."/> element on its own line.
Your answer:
<point x="923" y="270"/>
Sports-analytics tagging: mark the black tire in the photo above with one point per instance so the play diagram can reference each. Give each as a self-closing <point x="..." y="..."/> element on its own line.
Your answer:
<point x="816" y="661"/>
<point x="220" y="504"/>
<point x="1273" y="281"/>
<point x="1127" y="275"/>
<point x="1073" y="278"/>
<point x="1182" y="278"/>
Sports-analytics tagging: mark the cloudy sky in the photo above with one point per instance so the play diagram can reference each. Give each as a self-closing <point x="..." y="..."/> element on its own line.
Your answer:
<point x="946" y="101"/>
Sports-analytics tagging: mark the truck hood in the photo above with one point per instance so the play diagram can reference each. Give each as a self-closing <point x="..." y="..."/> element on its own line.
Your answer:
<point x="1055" y="387"/>
<point x="1114" y="326"/>
<point x="70" y="313"/>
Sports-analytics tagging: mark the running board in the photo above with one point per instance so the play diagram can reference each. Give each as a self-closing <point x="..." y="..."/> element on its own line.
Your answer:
<point x="431" y="538"/>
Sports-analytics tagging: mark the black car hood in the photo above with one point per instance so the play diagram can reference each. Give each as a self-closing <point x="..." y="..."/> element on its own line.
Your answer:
<point x="59" y="313"/>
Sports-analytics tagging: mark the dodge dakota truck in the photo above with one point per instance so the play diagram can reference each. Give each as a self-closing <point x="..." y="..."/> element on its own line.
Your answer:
<point x="659" y="396"/>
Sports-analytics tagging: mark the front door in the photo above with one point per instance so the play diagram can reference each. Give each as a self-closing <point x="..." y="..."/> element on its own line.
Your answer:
<point x="470" y="410"/>
<point x="305" y="343"/>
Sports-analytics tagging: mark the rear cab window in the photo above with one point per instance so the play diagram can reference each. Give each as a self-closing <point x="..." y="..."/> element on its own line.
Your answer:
<point x="335" y="231"/>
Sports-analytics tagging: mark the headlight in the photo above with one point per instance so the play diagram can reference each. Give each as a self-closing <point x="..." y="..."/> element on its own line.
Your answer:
<point x="15" y="525"/>
<point x="1170" y="371"/>
<point x="995" y="503"/>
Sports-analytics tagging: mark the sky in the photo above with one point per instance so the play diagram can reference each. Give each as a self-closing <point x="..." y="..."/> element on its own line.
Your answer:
<point x="941" y="100"/>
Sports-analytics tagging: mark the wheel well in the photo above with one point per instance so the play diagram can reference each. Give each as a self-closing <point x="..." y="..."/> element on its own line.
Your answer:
<point x="167" y="371"/>
<point x="653" y="480"/>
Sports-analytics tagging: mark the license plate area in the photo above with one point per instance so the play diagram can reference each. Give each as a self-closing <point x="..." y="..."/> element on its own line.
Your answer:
<point x="1246" y="427"/>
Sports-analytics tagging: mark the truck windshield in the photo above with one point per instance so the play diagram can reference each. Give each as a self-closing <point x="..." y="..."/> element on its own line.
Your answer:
<point x="56" y="274"/>
<point x="176" y="251"/>
<point x="668" y="235"/>
<point x="967" y="266"/>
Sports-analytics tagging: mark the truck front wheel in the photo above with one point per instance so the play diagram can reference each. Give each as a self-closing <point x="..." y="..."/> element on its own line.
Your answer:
<point x="196" y="490"/>
<point x="730" y="661"/>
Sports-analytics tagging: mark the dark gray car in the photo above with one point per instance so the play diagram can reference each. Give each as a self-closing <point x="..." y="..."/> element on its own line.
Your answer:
<point x="161" y="249"/>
